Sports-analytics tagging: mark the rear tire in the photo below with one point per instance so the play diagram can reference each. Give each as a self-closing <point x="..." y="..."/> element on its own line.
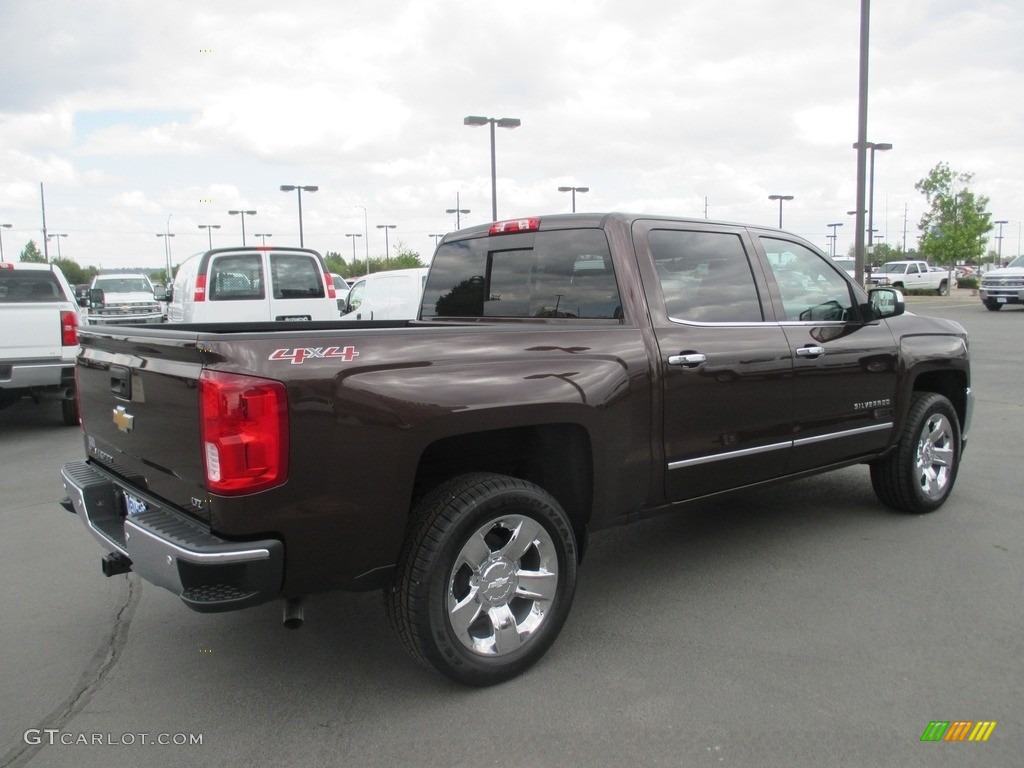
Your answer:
<point x="919" y="475"/>
<point x="943" y="289"/>
<point x="486" y="578"/>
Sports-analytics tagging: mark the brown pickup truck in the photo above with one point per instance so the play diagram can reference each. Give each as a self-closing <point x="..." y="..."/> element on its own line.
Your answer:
<point x="566" y="374"/>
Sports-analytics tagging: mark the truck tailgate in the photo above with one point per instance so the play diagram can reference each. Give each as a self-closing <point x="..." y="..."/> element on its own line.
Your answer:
<point x="140" y="406"/>
<point x="31" y="331"/>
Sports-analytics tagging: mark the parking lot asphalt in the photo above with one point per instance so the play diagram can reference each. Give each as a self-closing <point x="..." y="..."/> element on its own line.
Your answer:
<point x="799" y="624"/>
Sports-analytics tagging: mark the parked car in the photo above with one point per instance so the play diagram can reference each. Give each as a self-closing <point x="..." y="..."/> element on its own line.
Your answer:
<point x="38" y="336"/>
<point x="252" y="284"/>
<point x="391" y="295"/>
<point x="911" y="275"/>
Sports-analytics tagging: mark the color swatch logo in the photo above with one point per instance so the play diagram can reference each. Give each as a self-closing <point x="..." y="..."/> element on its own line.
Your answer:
<point x="958" y="730"/>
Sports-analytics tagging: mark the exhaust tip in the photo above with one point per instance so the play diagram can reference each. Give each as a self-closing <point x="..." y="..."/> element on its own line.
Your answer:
<point x="293" y="613"/>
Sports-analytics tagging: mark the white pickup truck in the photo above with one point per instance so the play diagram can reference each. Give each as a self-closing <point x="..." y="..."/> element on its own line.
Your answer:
<point x="910" y="275"/>
<point x="39" y="342"/>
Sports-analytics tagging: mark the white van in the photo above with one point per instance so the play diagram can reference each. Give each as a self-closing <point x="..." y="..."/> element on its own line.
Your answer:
<point x="252" y="284"/>
<point x="393" y="295"/>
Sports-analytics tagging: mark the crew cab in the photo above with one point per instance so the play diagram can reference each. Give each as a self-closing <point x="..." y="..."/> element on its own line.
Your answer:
<point x="565" y="374"/>
<point x="39" y="340"/>
<point x="910" y="275"/>
<point x="1003" y="286"/>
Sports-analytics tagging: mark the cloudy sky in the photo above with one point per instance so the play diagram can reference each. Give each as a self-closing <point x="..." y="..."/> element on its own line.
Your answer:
<point x="141" y="118"/>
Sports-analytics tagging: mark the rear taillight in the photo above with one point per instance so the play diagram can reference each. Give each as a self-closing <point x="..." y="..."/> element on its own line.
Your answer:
<point x="514" y="225"/>
<point x="200" y="292"/>
<point x="244" y="432"/>
<point x="331" y="293"/>
<point x="68" y="328"/>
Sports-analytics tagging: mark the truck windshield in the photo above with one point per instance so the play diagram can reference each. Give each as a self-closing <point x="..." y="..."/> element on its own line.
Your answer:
<point x="124" y="285"/>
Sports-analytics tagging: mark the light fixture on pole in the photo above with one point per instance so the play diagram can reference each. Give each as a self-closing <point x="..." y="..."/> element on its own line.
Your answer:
<point x="353" y="235"/>
<point x="243" y="214"/>
<point x="834" y="236"/>
<point x="366" y="238"/>
<point x="387" y="248"/>
<point x="872" y="146"/>
<point x="209" y="231"/>
<point x="574" y="190"/>
<point x="2" y="228"/>
<point x="166" y="236"/>
<point x="58" y="235"/>
<point x="999" y="238"/>
<point x="780" y="198"/>
<point x="437" y="238"/>
<point x="501" y="122"/>
<point x="300" y="189"/>
<point x="263" y="236"/>
<point x="458" y="210"/>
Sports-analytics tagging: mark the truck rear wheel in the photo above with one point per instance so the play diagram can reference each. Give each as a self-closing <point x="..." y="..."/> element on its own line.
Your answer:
<point x="69" y="411"/>
<point x="486" y="578"/>
<point x="943" y="289"/>
<point x="919" y="475"/>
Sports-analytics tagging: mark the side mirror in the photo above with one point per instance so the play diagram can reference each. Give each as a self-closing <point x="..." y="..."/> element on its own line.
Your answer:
<point x="885" y="303"/>
<point x="163" y="294"/>
<point x="96" y="298"/>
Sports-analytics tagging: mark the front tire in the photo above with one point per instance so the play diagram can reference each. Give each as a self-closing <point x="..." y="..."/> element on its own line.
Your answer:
<point x="992" y="306"/>
<point x="486" y="578"/>
<point x="919" y="475"/>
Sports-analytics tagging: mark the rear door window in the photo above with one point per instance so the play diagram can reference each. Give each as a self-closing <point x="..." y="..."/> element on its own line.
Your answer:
<point x="236" y="278"/>
<point x="296" y="276"/>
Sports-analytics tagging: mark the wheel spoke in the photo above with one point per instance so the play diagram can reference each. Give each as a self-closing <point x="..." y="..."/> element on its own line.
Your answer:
<point x="506" y="633"/>
<point x="464" y="613"/>
<point x="537" y="585"/>
<point x="474" y="552"/>
<point x="943" y="457"/>
<point x="523" y="536"/>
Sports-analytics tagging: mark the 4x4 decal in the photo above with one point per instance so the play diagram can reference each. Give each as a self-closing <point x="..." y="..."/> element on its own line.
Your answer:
<point x="299" y="355"/>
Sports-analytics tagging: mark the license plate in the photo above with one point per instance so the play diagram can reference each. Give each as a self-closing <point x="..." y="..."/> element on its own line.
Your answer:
<point x="1001" y="300"/>
<point x="134" y="506"/>
<point x="293" y="318"/>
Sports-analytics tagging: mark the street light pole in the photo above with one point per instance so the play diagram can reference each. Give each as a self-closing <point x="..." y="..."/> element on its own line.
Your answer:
<point x="458" y="210"/>
<point x="209" y="231"/>
<point x="366" y="238"/>
<point x="299" y="188"/>
<point x="58" y="236"/>
<point x="502" y="122"/>
<point x="437" y="238"/>
<point x="2" y="228"/>
<point x="574" y="190"/>
<point x="353" y="235"/>
<point x="243" y="214"/>
<point x="999" y="238"/>
<point x="780" y="198"/>
<point x="264" y="236"/>
<point x="834" y="235"/>
<point x="167" y="251"/>
<point x="387" y="248"/>
<point x="872" y="146"/>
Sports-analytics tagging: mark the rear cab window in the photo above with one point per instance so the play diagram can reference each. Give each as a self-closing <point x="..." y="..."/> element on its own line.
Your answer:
<point x="29" y="287"/>
<point x="560" y="274"/>
<point x="236" y="278"/>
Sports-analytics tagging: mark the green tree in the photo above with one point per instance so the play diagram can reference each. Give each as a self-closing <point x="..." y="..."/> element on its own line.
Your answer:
<point x="73" y="271"/>
<point x="335" y="263"/>
<point x="404" y="258"/>
<point x="31" y="254"/>
<point x="956" y="223"/>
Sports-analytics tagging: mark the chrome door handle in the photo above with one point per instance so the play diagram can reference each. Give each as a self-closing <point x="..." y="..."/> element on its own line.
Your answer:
<point x="810" y="351"/>
<point x="691" y="360"/>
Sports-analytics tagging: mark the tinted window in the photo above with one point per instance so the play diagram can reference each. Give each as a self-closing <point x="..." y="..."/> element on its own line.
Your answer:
<point x="812" y="289"/>
<point x="235" y="278"/>
<point x="123" y="284"/>
<point x="296" y="277"/>
<point x="565" y="274"/>
<point x="29" y="286"/>
<point x="705" y="276"/>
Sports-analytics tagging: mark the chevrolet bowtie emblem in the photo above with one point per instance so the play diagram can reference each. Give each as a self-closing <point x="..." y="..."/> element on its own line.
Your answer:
<point x="124" y="420"/>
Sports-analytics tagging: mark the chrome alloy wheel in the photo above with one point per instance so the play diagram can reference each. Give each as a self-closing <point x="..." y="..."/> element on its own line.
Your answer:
<point x="502" y="584"/>
<point x="935" y="455"/>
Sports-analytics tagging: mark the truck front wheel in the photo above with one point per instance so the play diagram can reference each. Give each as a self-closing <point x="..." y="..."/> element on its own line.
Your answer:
<point x="486" y="578"/>
<point x="919" y="475"/>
